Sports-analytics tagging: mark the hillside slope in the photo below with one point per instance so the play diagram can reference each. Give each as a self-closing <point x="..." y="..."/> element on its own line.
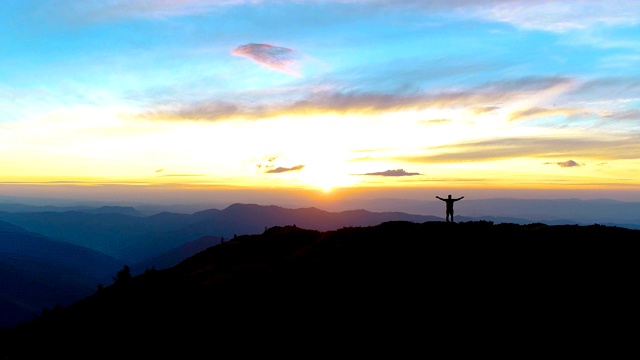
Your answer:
<point x="37" y="272"/>
<point x="397" y="285"/>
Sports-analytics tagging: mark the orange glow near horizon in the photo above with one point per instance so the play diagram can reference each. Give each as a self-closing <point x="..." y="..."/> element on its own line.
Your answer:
<point x="323" y="151"/>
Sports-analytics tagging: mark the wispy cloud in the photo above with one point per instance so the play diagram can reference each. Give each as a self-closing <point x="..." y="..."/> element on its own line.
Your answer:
<point x="609" y="88"/>
<point x="201" y="110"/>
<point x="623" y="147"/>
<point x="539" y="112"/>
<point x="625" y="115"/>
<point x="435" y="121"/>
<point x="281" y="169"/>
<point x="545" y="15"/>
<point x="273" y="57"/>
<point x="557" y="16"/>
<point x="561" y="16"/>
<point x="396" y="172"/>
<point x="182" y="175"/>
<point x="113" y="9"/>
<point x="303" y="100"/>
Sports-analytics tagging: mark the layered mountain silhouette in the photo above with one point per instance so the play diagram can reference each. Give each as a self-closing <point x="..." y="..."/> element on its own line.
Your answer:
<point x="52" y="258"/>
<point x="37" y="273"/>
<point x="133" y="238"/>
<point x="389" y="288"/>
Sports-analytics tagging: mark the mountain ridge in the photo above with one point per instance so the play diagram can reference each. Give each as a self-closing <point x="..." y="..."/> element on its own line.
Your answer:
<point x="164" y="239"/>
<point x="371" y="281"/>
<point x="39" y="273"/>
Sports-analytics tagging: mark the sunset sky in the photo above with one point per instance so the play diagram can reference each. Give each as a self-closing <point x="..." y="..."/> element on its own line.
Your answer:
<point x="483" y="98"/>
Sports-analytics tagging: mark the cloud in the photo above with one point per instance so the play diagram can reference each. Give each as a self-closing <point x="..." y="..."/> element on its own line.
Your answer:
<point x="200" y="110"/>
<point x="538" y="112"/>
<point x="273" y="57"/>
<point x="561" y="16"/>
<point x="625" y="115"/>
<point x="622" y="147"/>
<point x="397" y="172"/>
<point x="183" y="175"/>
<point x="268" y="163"/>
<point x="621" y="89"/>
<point x="486" y="109"/>
<point x="284" y="169"/>
<point x="298" y="100"/>
<point x="114" y="9"/>
<point x="557" y="16"/>
<point x="435" y="121"/>
<point x="569" y="163"/>
<point x="543" y="15"/>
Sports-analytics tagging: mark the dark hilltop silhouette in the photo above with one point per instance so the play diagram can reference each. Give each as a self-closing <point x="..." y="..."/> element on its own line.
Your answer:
<point x="51" y="258"/>
<point x="397" y="288"/>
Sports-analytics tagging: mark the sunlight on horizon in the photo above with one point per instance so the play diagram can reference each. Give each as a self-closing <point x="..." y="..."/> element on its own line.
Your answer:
<point x="318" y="151"/>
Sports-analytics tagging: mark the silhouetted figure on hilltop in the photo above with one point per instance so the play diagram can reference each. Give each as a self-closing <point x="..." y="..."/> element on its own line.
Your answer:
<point x="450" y="202"/>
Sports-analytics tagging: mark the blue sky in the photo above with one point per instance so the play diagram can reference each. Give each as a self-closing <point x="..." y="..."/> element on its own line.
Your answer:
<point x="321" y="95"/>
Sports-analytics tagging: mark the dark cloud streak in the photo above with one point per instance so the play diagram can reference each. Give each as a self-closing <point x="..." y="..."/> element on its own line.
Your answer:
<point x="280" y="169"/>
<point x="397" y="172"/>
<point x="569" y="163"/>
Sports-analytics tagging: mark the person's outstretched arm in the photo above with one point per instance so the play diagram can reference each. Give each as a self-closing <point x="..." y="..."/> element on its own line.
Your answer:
<point x="460" y="198"/>
<point x="438" y="197"/>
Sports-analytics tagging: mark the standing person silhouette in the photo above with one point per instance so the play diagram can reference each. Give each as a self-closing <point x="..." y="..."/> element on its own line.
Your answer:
<point x="450" y="202"/>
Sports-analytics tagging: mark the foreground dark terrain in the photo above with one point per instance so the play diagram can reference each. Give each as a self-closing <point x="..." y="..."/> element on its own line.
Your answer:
<point x="55" y="258"/>
<point x="396" y="286"/>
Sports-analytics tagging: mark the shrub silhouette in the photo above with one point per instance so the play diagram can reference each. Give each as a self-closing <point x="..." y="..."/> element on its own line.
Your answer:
<point x="122" y="276"/>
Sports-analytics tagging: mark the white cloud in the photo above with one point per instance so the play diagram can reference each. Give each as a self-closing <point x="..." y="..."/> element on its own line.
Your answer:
<point x="561" y="16"/>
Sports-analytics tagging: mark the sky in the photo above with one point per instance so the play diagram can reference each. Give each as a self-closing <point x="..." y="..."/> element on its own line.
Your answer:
<point x="123" y="99"/>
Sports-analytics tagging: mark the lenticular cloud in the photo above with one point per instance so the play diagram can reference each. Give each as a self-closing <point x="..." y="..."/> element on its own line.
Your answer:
<point x="273" y="57"/>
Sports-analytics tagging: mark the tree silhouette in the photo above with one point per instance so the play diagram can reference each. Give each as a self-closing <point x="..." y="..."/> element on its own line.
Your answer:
<point x="122" y="276"/>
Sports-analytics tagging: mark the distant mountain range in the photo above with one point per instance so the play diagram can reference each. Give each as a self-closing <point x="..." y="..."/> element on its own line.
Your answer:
<point x="37" y="272"/>
<point x="391" y="287"/>
<point x="53" y="256"/>
<point x="123" y="234"/>
<point x="520" y="211"/>
<point x="548" y="211"/>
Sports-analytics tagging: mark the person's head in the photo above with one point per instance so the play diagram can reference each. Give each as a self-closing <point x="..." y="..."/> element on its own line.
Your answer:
<point x="449" y="196"/>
